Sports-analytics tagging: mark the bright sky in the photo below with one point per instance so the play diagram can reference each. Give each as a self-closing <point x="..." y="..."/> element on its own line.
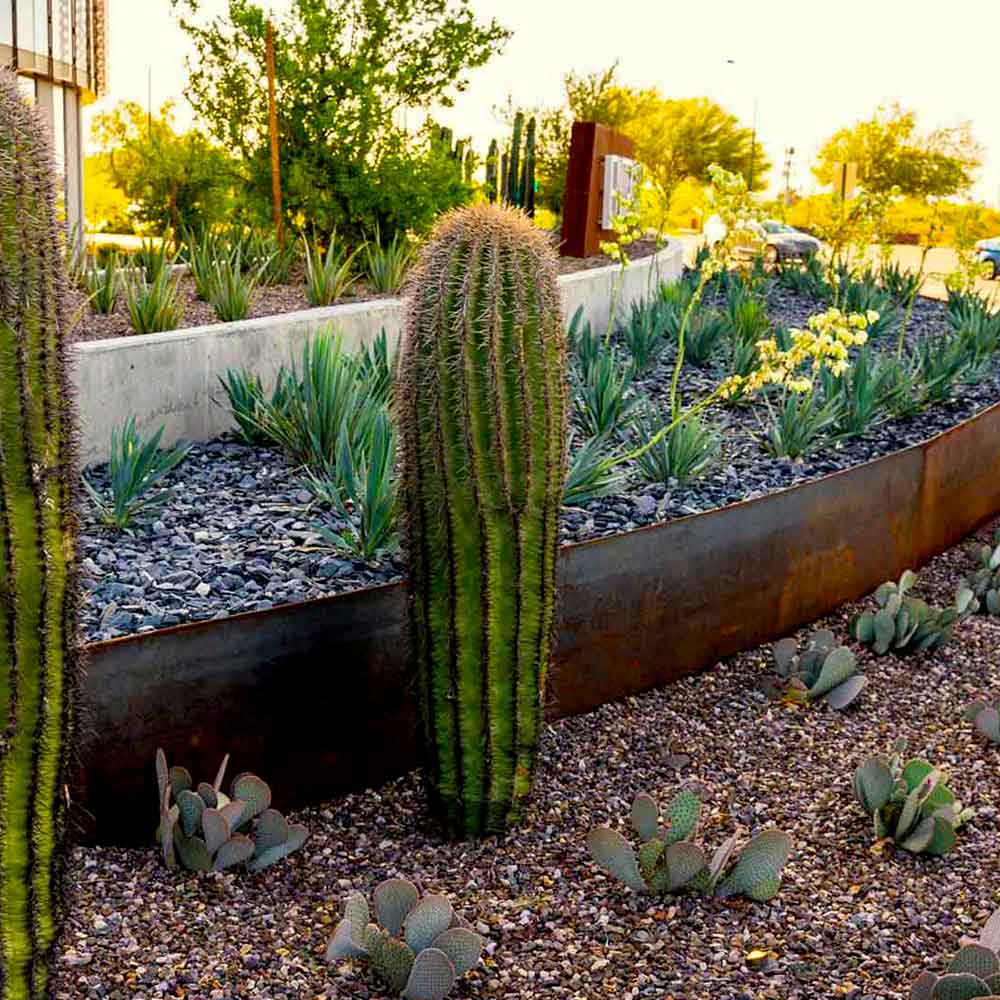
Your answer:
<point x="810" y="66"/>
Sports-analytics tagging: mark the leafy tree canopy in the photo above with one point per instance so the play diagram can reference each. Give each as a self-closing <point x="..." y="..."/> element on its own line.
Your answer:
<point x="347" y="71"/>
<point x="892" y="153"/>
<point x="171" y="179"/>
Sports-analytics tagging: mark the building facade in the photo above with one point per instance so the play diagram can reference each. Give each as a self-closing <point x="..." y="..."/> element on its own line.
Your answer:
<point x="58" y="48"/>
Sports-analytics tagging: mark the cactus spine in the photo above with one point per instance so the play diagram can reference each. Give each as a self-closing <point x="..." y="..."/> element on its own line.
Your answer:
<point x="38" y="664"/>
<point x="483" y="416"/>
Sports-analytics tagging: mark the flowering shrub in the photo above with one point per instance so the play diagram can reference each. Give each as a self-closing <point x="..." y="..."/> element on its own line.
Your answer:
<point x="824" y="344"/>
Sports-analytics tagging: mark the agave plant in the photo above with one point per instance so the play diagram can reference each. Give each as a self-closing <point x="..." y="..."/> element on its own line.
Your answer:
<point x="985" y="582"/>
<point x="973" y="972"/>
<point x="905" y="624"/>
<point x="911" y="803"/>
<point x="668" y="861"/>
<point x="420" y="947"/>
<point x="823" y="670"/>
<point x="985" y="716"/>
<point x="207" y="830"/>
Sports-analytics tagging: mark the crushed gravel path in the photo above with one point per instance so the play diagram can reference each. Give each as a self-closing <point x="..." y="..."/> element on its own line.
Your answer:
<point x="848" y="923"/>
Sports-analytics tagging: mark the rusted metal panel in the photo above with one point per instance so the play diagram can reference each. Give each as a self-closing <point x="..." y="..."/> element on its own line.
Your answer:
<point x="315" y="696"/>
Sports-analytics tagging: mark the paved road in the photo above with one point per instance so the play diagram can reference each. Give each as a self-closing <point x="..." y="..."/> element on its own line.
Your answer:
<point x="941" y="261"/>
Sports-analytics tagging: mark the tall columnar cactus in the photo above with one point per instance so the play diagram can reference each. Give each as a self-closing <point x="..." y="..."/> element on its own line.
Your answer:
<point x="527" y="199"/>
<point x="493" y="172"/>
<point x="39" y="665"/>
<point x="514" y="163"/>
<point x="483" y="414"/>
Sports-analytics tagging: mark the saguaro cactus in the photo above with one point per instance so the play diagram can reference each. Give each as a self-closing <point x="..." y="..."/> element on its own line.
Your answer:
<point x="38" y="661"/>
<point x="483" y="416"/>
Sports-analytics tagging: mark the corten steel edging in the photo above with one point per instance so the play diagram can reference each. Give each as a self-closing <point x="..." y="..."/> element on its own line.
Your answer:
<point x="315" y="696"/>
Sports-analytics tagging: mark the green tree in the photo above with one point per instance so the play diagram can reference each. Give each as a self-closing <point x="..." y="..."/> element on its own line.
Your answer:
<point x="679" y="139"/>
<point x="347" y="72"/>
<point x="173" y="179"/>
<point x="892" y="153"/>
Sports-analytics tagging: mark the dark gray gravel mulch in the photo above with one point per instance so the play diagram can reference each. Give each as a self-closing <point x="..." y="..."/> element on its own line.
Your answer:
<point x="849" y="921"/>
<point x="239" y="532"/>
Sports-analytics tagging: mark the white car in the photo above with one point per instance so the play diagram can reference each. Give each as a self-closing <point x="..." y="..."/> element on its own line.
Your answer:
<point x="781" y="242"/>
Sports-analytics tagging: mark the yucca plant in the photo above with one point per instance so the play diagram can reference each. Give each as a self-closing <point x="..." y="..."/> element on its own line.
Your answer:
<point x="40" y="668"/>
<point x="330" y="274"/>
<point x="156" y="257"/>
<point x="592" y="473"/>
<point x="273" y="261"/>
<point x="232" y="287"/>
<point x="378" y="367"/>
<point x="154" y="306"/>
<point x="901" y="283"/>
<point x="134" y="467"/>
<point x="386" y="266"/>
<point x="203" y="248"/>
<point x="103" y="286"/>
<point x="483" y="414"/>
<point x="365" y="483"/>
<point x="705" y="332"/>
<point x="940" y="362"/>
<point x="249" y="403"/>
<point x="604" y="399"/>
<point x="684" y="454"/>
<point x="864" y="395"/>
<point x="643" y="334"/>
<point x="316" y="399"/>
<point x="585" y="344"/>
<point x="798" y="423"/>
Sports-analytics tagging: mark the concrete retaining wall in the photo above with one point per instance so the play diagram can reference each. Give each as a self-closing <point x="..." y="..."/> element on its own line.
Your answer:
<point x="172" y="378"/>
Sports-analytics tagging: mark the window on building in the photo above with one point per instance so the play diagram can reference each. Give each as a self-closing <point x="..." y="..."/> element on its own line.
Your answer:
<point x="6" y="22"/>
<point x="26" y="25"/>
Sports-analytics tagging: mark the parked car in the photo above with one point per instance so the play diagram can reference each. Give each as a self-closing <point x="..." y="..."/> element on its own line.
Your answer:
<point x="989" y="255"/>
<point x="781" y="242"/>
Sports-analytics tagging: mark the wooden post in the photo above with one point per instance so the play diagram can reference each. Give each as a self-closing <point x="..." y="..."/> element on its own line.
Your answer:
<point x="273" y="115"/>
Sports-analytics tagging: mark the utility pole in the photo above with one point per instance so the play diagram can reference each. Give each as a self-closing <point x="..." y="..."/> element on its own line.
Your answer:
<point x="273" y="122"/>
<point x="789" y="153"/>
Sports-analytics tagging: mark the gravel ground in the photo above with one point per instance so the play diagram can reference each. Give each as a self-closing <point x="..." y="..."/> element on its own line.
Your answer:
<point x="849" y="921"/>
<point x="238" y="533"/>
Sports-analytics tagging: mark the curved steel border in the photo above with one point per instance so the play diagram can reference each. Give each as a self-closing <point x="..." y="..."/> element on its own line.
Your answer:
<point x="315" y="696"/>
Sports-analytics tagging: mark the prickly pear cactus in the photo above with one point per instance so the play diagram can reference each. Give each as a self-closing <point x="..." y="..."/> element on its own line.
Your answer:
<point x="419" y="947"/>
<point x="973" y="972"/>
<point x="39" y="663"/>
<point x="904" y="624"/>
<point x="207" y="830"/>
<point x="985" y="582"/>
<point x="910" y="803"/>
<point x="985" y="716"/>
<point x="822" y="671"/>
<point x="668" y="862"/>
<point x="483" y="415"/>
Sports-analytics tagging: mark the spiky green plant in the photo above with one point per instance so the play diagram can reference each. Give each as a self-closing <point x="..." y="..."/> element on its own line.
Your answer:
<point x="668" y="861"/>
<point x="483" y="417"/>
<point x="910" y="803"/>
<point x="973" y="972"/>
<point x="905" y="624"/>
<point x="592" y="472"/>
<point x="39" y="663"/>
<point x="420" y="947"/>
<point x="823" y="670"/>
<point x="513" y="194"/>
<point x="206" y="830"/>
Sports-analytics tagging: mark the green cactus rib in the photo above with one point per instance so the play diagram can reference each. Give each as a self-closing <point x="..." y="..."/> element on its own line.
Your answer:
<point x="483" y="415"/>
<point x="40" y="670"/>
